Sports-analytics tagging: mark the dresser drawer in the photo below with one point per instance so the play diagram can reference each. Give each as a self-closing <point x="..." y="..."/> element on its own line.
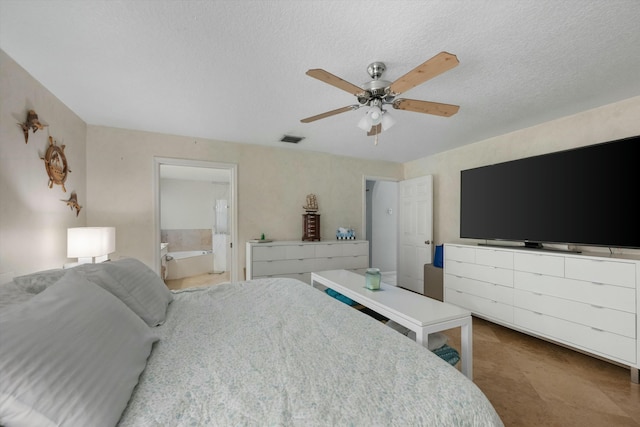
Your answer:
<point x="499" y="276"/>
<point x="341" y="262"/>
<point x="615" y="297"/>
<point x="480" y="306"/>
<point x="268" y="253"/>
<point x="486" y="290"/>
<point x="610" y="272"/>
<point x="355" y="249"/>
<point x="328" y="250"/>
<point x="270" y="268"/>
<point x="276" y="252"/>
<point x="584" y="337"/>
<point x="494" y="258"/>
<point x="459" y="253"/>
<point x="606" y="319"/>
<point x="537" y="263"/>
<point x="341" y="249"/>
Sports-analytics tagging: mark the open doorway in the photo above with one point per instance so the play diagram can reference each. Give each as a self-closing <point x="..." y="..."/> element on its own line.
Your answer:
<point x="195" y="222"/>
<point x="381" y="225"/>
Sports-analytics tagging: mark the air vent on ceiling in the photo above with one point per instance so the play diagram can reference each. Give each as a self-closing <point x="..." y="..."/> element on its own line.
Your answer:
<point x="292" y="139"/>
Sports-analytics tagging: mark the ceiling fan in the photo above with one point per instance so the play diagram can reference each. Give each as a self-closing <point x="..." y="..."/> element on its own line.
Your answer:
<point x="377" y="93"/>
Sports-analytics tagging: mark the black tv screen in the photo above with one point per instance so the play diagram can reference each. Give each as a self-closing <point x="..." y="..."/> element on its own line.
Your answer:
<point x="584" y="196"/>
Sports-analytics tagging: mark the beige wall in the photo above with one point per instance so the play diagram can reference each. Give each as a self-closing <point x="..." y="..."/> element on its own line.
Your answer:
<point x="33" y="217"/>
<point x="272" y="186"/>
<point x="610" y="122"/>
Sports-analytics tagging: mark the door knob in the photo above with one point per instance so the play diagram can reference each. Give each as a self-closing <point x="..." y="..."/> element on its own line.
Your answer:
<point x="427" y="242"/>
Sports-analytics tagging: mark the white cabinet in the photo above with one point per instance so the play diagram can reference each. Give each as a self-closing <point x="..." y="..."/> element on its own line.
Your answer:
<point x="480" y="281"/>
<point x="298" y="259"/>
<point x="586" y="301"/>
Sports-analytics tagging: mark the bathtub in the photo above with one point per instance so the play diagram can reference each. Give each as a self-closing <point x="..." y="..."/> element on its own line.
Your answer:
<point x="188" y="263"/>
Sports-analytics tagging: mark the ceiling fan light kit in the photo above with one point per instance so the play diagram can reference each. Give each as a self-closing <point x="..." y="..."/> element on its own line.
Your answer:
<point x="377" y="93"/>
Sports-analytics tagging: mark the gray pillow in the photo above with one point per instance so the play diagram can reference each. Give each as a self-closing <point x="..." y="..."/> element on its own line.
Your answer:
<point x="71" y="355"/>
<point x="139" y="287"/>
<point x="37" y="282"/>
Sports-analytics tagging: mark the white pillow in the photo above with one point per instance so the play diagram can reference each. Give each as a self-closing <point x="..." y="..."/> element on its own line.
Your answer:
<point x="70" y="356"/>
<point x="139" y="287"/>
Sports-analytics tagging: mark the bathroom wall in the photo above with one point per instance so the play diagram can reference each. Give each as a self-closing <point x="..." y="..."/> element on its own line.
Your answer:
<point x="187" y="239"/>
<point x="187" y="212"/>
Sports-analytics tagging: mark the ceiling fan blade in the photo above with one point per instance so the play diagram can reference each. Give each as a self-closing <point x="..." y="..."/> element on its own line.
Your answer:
<point x="426" y="107"/>
<point x="375" y="130"/>
<point x="330" y="113"/>
<point x="336" y="81"/>
<point x="431" y="68"/>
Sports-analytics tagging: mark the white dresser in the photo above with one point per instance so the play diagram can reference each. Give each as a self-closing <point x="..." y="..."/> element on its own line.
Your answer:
<point x="586" y="301"/>
<point x="298" y="259"/>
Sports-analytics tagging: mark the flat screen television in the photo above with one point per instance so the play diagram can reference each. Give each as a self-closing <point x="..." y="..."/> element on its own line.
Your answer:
<point x="584" y="196"/>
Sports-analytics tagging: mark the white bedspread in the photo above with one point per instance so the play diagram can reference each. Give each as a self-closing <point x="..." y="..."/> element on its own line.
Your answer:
<point x="277" y="352"/>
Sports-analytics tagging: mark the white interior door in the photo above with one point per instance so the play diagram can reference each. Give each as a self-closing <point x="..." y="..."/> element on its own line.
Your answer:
<point x="416" y="231"/>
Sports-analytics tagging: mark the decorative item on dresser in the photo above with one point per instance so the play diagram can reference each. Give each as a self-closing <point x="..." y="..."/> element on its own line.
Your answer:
<point x="343" y="233"/>
<point x="311" y="220"/>
<point x="585" y="301"/>
<point x="311" y="227"/>
<point x="298" y="259"/>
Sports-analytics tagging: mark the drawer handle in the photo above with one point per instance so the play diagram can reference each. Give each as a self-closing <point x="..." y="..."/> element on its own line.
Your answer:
<point x="596" y="306"/>
<point x="537" y="294"/>
<point x="598" y="283"/>
<point x="460" y="292"/>
<point x="597" y="330"/>
<point x="539" y="314"/>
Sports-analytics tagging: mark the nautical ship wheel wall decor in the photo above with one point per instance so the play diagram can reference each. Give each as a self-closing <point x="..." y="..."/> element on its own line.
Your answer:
<point x="55" y="162"/>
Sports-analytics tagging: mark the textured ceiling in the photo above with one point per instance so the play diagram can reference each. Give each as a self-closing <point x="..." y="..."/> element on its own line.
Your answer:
<point x="235" y="70"/>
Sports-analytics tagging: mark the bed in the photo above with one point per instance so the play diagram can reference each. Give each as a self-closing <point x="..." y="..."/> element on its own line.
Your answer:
<point x="108" y="344"/>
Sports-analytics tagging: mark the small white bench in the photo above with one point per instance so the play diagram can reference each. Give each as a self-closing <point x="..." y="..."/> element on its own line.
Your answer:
<point x="414" y="311"/>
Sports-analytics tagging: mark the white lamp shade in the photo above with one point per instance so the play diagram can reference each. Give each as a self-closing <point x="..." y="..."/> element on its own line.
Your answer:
<point x="89" y="242"/>
<point x="387" y="121"/>
<point x="375" y="115"/>
<point x="364" y="123"/>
